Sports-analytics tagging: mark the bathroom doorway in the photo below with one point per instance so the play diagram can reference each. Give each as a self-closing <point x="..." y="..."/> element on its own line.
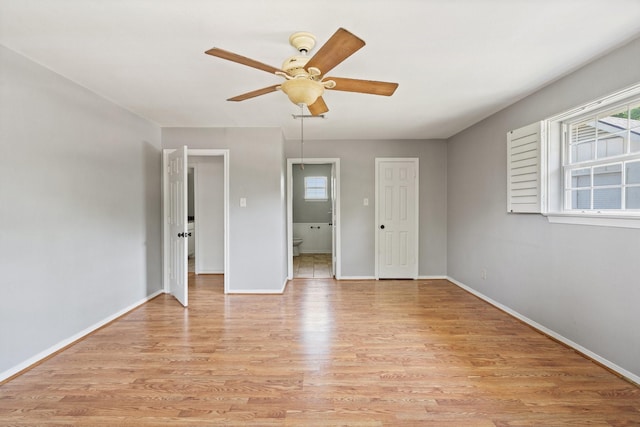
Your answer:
<point x="313" y="217"/>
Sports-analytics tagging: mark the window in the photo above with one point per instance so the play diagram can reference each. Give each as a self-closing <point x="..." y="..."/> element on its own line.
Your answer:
<point x="592" y="162"/>
<point x="315" y="188"/>
<point x="602" y="160"/>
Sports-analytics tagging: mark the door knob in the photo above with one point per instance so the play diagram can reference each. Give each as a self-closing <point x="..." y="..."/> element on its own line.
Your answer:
<point x="382" y="227"/>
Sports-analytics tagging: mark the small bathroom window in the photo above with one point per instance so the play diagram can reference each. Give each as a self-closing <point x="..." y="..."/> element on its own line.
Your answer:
<point x="315" y="188"/>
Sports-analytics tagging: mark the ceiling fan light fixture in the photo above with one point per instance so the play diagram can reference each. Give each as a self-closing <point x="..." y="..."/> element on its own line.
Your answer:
<point x="305" y="80"/>
<point x="302" y="91"/>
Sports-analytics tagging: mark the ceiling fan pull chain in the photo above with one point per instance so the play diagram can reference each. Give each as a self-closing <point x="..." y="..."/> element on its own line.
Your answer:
<point x="302" y="136"/>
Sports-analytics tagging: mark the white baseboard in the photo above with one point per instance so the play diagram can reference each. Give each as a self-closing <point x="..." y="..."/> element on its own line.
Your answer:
<point x="315" y="251"/>
<point x="373" y="278"/>
<point x="256" y="292"/>
<point x="62" y="344"/>
<point x="588" y="353"/>
<point x="261" y="291"/>
<point x="209" y="271"/>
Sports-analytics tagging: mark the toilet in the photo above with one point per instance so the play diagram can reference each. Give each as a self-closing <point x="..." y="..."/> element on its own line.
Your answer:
<point x="296" y="246"/>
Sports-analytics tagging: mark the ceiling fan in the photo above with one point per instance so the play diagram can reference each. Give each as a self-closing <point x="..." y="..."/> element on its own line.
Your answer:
<point x="305" y="77"/>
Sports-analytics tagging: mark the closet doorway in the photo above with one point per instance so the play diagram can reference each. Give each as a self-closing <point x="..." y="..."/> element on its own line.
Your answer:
<point x="205" y="213"/>
<point x="175" y="219"/>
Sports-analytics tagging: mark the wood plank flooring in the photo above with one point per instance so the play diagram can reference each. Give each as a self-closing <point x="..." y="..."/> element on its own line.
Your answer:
<point x="325" y="353"/>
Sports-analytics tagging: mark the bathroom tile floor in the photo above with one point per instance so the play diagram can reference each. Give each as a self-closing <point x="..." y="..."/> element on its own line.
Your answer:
<point x="312" y="266"/>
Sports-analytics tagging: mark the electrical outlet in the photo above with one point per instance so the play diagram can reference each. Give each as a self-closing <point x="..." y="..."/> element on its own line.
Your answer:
<point x="484" y="274"/>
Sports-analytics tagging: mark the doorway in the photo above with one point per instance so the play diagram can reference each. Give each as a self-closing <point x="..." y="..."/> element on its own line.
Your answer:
<point x="175" y="219"/>
<point x="206" y="215"/>
<point x="319" y="225"/>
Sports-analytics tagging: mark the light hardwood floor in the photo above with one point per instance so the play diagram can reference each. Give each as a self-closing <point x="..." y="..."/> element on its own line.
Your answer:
<point x="361" y="353"/>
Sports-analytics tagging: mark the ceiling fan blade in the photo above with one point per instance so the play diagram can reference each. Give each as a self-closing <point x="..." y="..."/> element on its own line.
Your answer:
<point x="339" y="47"/>
<point x="255" y="93"/>
<point x="363" y="86"/>
<point x="230" y="56"/>
<point x="318" y="107"/>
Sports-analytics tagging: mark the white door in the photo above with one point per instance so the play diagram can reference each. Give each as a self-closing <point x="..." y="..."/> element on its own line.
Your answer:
<point x="177" y="219"/>
<point x="397" y="218"/>
<point x="333" y="220"/>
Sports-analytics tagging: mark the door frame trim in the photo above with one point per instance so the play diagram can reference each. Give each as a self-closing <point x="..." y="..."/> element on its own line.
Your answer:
<point x="165" y="200"/>
<point x="416" y="161"/>
<point x="312" y="161"/>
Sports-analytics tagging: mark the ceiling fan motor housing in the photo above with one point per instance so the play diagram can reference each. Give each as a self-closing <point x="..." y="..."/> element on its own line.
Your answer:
<point x="295" y="66"/>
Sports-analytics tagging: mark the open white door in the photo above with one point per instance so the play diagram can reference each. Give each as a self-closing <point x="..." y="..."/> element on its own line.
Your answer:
<point x="177" y="224"/>
<point x="397" y="218"/>
<point x="333" y="219"/>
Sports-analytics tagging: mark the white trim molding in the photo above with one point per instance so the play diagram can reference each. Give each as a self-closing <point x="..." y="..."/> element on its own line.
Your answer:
<point x="603" y="220"/>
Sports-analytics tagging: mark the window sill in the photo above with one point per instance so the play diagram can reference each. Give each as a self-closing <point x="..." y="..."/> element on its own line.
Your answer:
<point x="602" y="220"/>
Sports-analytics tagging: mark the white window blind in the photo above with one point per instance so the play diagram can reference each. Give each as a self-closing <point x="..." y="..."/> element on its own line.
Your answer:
<point x="315" y="188"/>
<point x="602" y="154"/>
<point x="524" y="169"/>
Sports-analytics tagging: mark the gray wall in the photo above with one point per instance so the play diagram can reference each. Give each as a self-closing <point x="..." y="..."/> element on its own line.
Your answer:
<point x="579" y="281"/>
<point x="191" y="210"/>
<point x="79" y="208"/>
<point x="357" y="169"/>
<point x="257" y="235"/>
<point x="209" y="213"/>
<point x="310" y="211"/>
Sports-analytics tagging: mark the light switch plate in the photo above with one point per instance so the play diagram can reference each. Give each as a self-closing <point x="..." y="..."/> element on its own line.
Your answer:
<point x="243" y="202"/>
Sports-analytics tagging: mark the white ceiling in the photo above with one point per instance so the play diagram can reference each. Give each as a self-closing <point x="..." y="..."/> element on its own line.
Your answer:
<point x="456" y="61"/>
